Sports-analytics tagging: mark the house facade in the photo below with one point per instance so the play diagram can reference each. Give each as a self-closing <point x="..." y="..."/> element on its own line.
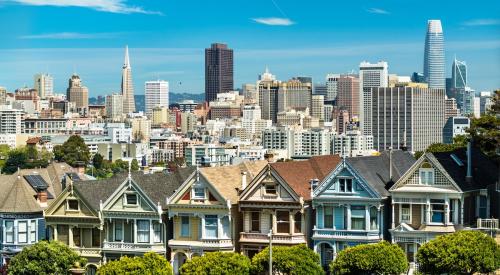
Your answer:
<point x="351" y="202"/>
<point x="204" y="211"/>
<point x="425" y="203"/>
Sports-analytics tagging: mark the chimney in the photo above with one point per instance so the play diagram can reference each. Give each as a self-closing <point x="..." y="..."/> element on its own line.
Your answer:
<point x="243" y="180"/>
<point x="468" y="177"/>
<point x="41" y="196"/>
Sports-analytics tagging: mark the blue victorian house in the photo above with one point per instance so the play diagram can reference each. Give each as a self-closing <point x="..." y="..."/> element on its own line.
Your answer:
<point x="351" y="203"/>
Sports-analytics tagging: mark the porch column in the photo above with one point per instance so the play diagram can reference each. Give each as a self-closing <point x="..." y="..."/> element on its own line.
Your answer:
<point x="348" y="217"/>
<point x="462" y="210"/>
<point x="367" y="218"/>
<point x="219" y="226"/>
<point x="55" y="231"/>
<point x="202" y="217"/>
<point x="292" y="221"/>
<point x="151" y="231"/>
<point x="135" y="231"/>
<point x="392" y="223"/>
<point x="380" y="220"/>
<point x="455" y="213"/>
<point x="70" y="236"/>
<point x="446" y="211"/>
<point x="428" y="211"/>
<point x="274" y="226"/>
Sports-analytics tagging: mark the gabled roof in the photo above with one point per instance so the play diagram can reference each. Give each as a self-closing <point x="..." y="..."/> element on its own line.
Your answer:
<point x="157" y="186"/>
<point x="16" y="196"/>
<point x="227" y="179"/>
<point x="484" y="170"/>
<point x="298" y="174"/>
<point x="375" y="169"/>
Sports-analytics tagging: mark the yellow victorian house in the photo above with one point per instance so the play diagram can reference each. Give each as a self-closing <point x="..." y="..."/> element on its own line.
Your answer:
<point x="204" y="211"/>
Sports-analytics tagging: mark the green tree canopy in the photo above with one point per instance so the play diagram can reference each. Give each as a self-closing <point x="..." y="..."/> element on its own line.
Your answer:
<point x="134" y="165"/>
<point x="15" y="158"/>
<point x="463" y="252"/>
<point x="379" y="258"/>
<point x="74" y="151"/>
<point x="298" y="259"/>
<point x="484" y="130"/>
<point x="45" y="258"/>
<point x="150" y="264"/>
<point x="98" y="161"/>
<point x="26" y="158"/>
<point x="217" y="263"/>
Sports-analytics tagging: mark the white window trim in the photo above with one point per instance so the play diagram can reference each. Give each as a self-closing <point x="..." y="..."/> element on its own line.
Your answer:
<point x="27" y="231"/>
<point x="126" y="201"/>
<point x="193" y="192"/>
<point x="276" y="188"/>
<point x="433" y="173"/>
<point x="401" y="213"/>
<point x="216" y="227"/>
<point x="67" y="205"/>
<point x="13" y="232"/>
<point x="345" y="187"/>
<point x="189" y="227"/>
<point x="114" y="231"/>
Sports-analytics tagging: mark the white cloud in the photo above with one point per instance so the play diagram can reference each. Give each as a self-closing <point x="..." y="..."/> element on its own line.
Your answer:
<point x="274" y="21"/>
<point x="69" y="35"/>
<point x="481" y="22"/>
<point x="377" y="11"/>
<point x="113" y="6"/>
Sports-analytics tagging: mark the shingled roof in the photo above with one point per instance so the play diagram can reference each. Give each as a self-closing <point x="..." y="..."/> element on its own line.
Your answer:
<point x="484" y="170"/>
<point x="298" y="174"/>
<point x="227" y="179"/>
<point x="157" y="186"/>
<point x="375" y="169"/>
<point x="16" y="196"/>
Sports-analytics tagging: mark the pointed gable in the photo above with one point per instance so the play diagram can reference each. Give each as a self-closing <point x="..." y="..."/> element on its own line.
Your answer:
<point x="16" y="196"/>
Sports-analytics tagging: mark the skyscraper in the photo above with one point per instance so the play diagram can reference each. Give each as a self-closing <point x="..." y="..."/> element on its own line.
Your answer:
<point x="156" y="95"/>
<point x="348" y="94"/>
<point x="459" y="74"/>
<point x="218" y="71"/>
<point x="114" y="107"/>
<point x="331" y="87"/>
<point x="78" y="94"/>
<point x="127" y="85"/>
<point x="44" y="84"/>
<point x="434" y="55"/>
<point x="370" y="75"/>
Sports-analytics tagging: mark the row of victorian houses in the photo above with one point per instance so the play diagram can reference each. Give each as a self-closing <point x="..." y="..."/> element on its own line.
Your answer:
<point x="326" y="202"/>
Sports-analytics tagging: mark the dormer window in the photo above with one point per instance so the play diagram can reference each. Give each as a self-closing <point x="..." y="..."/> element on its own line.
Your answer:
<point x="72" y="205"/>
<point x="426" y="173"/>
<point x="131" y="199"/>
<point x="270" y="189"/>
<point x="345" y="185"/>
<point x="198" y="192"/>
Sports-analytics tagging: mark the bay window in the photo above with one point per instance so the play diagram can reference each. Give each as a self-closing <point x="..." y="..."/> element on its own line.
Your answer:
<point x="437" y="213"/>
<point x="9" y="231"/>
<point x="211" y="226"/>
<point x="373" y="218"/>
<point x="33" y="231"/>
<point x="357" y="217"/>
<point x="157" y="232"/>
<point x="298" y="222"/>
<point x="184" y="226"/>
<point x="405" y="213"/>
<point x="255" y="222"/>
<point x="22" y="232"/>
<point x="226" y="228"/>
<point x="283" y="220"/>
<point x="118" y="231"/>
<point x="328" y="217"/>
<point x="143" y="231"/>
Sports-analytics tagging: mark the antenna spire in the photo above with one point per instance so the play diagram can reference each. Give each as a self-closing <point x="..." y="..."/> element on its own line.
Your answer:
<point x="126" y="63"/>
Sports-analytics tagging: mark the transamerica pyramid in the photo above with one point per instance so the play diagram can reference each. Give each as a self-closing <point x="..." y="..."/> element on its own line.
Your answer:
<point x="127" y="86"/>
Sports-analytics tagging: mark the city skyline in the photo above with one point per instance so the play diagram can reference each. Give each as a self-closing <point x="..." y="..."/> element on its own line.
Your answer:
<point x="170" y="45"/>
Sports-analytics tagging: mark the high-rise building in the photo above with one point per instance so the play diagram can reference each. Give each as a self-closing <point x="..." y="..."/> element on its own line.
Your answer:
<point x="454" y="127"/>
<point x="434" y="55"/>
<point x="451" y="109"/>
<point x="370" y="75"/>
<point x="127" y="85"/>
<point x="408" y="117"/>
<point x="78" y="94"/>
<point x="11" y="120"/>
<point x="3" y="95"/>
<point x="332" y="87"/>
<point x="156" y="95"/>
<point x="114" y="106"/>
<point x="320" y="89"/>
<point x="459" y="74"/>
<point x="348" y="94"/>
<point x="318" y="107"/>
<point x="218" y="71"/>
<point x="44" y="84"/>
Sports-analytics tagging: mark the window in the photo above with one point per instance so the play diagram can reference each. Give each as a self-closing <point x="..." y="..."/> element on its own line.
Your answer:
<point x="426" y="176"/>
<point x="198" y="192"/>
<point x="9" y="231"/>
<point x="405" y="213"/>
<point x="298" y="222"/>
<point x="184" y="226"/>
<point x="226" y="229"/>
<point x="157" y="232"/>
<point x="283" y="220"/>
<point x="143" y="231"/>
<point x="73" y="205"/>
<point x="437" y="214"/>
<point x="373" y="218"/>
<point x="482" y="207"/>
<point x="255" y="222"/>
<point x="357" y="217"/>
<point x="131" y="199"/>
<point x="452" y="211"/>
<point x="118" y="231"/>
<point x="345" y="185"/>
<point x="211" y="226"/>
<point x="76" y="236"/>
<point x="33" y="231"/>
<point x="96" y="237"/>
<point x="328" y="217"/>
<point x="22" y="232"/>
<point x="270" y="189"/>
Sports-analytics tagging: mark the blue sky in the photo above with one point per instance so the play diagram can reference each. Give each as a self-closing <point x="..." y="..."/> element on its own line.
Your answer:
<point x="167" y="37"/>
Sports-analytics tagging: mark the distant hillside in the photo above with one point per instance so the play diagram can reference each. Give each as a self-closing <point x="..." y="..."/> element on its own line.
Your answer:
<point x="140" y="104"/>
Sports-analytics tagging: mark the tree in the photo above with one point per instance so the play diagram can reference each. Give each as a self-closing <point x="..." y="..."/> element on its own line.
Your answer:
<point x="463" y="252"/>
<point x="440" y="147"/>
<point x="45" y="258"/>
<point x="150" y="264"/>
<point x="484" y="130"/>
<point x="74" y="151"/>
<point x="98" y="161"/>
<point x="379" y="258"/>
<point x="298" y="259"/>
<point x="134" y="165"/>
<point x="16" y="158"/>
<point x="217" y="263"/>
